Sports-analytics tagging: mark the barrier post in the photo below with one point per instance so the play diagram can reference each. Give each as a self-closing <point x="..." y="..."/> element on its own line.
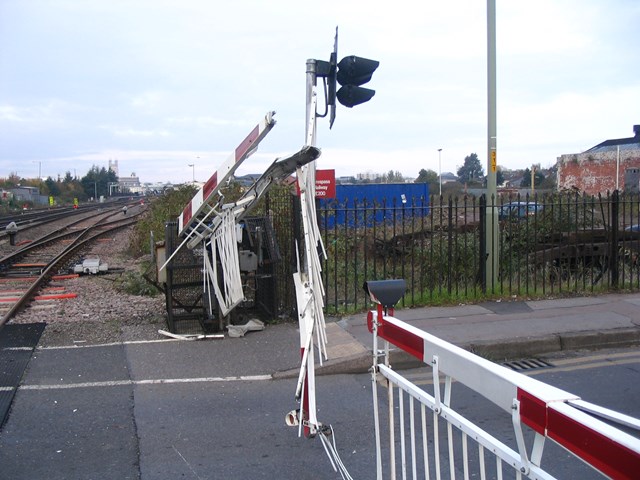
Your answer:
<point x="386" y="294"/>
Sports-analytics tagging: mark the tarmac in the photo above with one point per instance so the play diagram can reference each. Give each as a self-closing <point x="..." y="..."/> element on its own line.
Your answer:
<point x="155" y="409"/>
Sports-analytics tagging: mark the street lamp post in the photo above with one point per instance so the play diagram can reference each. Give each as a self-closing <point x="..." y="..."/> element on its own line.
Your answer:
<point x="193" y="172"/>
<point x="440" y="169"/>
<point x="39" y="169"/>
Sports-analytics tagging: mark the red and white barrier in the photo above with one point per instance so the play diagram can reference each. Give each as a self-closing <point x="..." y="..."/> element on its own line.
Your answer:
<point x="548" y="411"/>
<point x="208" y="190"/>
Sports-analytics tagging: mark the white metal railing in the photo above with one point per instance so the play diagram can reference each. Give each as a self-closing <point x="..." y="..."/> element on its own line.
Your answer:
<point x="418" y="422"/>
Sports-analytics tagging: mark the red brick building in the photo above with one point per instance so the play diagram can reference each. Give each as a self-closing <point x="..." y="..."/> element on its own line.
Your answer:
<point x="594" y="171"/>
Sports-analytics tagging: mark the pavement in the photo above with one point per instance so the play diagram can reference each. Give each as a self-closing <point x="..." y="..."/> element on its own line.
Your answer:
<point x="498" y="330"/>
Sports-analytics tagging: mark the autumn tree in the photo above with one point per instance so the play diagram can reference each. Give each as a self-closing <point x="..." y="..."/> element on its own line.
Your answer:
<point x="471" y="170"/>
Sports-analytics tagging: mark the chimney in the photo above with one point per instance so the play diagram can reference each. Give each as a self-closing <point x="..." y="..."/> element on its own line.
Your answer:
<point x="636" y="131"/>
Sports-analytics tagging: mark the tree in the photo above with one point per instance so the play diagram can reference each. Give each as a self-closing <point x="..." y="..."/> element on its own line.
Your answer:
<point x="13" y="180"/>
<point x="526" y="179"/>
<point x="427" y="176"/>
<point x="471" y="170"/>
<point x="52" y="187"/>
<point x="392" y="177"/>
<point x="96" y="181"/>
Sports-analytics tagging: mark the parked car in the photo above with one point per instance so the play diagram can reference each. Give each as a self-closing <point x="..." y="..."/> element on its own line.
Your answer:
<point x="518" y="210"/>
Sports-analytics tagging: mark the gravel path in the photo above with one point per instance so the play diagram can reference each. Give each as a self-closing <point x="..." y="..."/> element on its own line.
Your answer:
<point x="101" y="313"/>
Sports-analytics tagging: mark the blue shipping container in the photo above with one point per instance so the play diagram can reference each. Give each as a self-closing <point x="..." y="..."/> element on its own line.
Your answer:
<point x="360" y="205"/>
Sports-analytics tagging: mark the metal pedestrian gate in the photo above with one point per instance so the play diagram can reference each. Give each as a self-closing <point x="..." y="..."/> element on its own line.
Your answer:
<point x="426" y="437"/>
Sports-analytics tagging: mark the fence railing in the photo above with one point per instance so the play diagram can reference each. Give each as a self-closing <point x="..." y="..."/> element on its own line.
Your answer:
<point x="548" y="245"/>
<point x="414" y="445"/>
<point x="560" y="244"/>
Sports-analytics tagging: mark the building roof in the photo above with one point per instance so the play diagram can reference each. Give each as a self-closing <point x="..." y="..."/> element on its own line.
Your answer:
<point x="631" y="143"/>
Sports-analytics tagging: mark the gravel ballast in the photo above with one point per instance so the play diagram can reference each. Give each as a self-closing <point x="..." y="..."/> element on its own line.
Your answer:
<point x="101" y="312"/>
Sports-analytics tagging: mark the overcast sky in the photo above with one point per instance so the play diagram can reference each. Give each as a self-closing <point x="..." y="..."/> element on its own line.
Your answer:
<point x="161" y="84"/>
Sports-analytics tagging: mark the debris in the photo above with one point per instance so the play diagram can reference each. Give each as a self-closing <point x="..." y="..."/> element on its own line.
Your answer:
<point x="239" y="330"/>
<point x="189" y="336"/>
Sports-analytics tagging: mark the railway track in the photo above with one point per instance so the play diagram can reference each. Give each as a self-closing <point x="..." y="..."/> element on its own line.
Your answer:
<point x="34" y="272"/>
<point x="39" y="219"/>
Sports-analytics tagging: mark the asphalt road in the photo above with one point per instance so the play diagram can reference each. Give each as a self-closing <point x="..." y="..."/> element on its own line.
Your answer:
<point x="123" y="412"/>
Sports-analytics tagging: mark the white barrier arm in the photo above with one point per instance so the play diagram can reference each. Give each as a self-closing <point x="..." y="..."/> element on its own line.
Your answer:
<point x="549" y="411"/>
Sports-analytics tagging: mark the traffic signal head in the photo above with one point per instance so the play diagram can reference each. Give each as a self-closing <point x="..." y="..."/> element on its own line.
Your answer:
<point x="351" y="95"/>
<point x="352" y="72"/>
<point x="356" y="71"/>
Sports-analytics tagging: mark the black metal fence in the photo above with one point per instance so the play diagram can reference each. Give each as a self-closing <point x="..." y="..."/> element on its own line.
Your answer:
<point x="549" y="245"/>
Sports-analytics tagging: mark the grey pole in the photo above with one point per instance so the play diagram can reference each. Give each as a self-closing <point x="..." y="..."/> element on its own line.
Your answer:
<point x="310" y="127"/>
<point x="440" y="169"/>
<point x="491" y="219"/>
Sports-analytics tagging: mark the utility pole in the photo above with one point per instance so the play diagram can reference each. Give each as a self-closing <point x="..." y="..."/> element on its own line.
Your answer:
<point x="491" y="217"/>
<point x="440" y="169"/>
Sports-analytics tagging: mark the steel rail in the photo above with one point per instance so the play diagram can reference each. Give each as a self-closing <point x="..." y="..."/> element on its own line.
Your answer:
<point x="53" y="237"/>
<point x="81" y="241"/>
<point x="47" y="216"/>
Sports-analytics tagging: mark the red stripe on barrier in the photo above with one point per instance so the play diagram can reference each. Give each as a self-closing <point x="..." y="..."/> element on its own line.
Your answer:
<point x="407" y="341"/>
<point x="600" y="451"/>
<point x="533" y="411"/>
<point x="211" y="184"/>
<point x="186" y="214"/>
<point x="244" y="147"/>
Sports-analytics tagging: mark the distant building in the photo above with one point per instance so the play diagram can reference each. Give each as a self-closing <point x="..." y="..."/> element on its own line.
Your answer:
<point x="29" y="194"/>
<point x="113" y="166"/>
<point x="368" y="176"/>
<point x="346" y="179"/>
<point x="130" y="184"/>
<point x="448" y="177"/>
<point x="609" y="165"/>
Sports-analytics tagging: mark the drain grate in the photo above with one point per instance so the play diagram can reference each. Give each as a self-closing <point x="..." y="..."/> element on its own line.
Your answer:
<point x="528" y="364"/>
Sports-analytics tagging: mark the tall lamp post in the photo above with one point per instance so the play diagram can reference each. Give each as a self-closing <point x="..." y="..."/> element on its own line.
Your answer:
<point x="440" y="169"/>
<point x="193" y="172"/>
<point x="39" y="162"/>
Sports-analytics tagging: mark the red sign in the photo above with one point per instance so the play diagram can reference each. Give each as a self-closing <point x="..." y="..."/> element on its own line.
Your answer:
<point x="325" y="184"/>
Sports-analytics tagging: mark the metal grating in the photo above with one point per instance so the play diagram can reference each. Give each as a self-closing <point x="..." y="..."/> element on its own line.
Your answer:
<point x="528" y="364"/>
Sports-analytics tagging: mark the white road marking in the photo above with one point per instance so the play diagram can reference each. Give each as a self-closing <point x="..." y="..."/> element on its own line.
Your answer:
<point x="157" y="381"/>
<point x="112" y="344"/>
